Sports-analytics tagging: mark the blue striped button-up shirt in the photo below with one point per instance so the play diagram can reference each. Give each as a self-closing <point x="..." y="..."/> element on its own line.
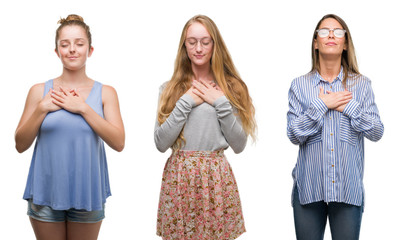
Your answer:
<point x="330" y="162"/>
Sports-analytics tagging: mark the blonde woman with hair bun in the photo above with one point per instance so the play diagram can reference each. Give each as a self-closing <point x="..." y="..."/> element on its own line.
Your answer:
<point x="204" y="109"/>
<point x="70" y="117"/>
<point x="331" y="110"/>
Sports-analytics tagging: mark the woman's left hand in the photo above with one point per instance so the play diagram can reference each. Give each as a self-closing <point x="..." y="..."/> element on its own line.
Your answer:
<point x="208" y="92"/>
<point x="69" y="100"/>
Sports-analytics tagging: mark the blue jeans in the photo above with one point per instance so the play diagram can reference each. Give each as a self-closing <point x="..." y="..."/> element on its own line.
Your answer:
<point x="310" y="219"/>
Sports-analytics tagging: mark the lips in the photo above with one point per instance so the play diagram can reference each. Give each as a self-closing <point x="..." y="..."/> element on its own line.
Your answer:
<point x="331" y="44"/>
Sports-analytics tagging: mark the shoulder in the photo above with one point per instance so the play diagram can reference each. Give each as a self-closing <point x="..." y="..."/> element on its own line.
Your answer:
<point x="36" y="91"/>
<point x="108" y="90"/>
<point x="358" y="81"/>
<point x="108" y="93"/>
<point x="303" y="80"/>
<point x="163" y="86"/>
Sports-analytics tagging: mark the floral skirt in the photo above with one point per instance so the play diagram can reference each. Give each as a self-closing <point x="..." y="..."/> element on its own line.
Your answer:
<point x="199" y="198"/>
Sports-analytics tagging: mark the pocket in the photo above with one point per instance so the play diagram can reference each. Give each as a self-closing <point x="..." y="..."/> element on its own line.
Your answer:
<point x="347" y="133"/>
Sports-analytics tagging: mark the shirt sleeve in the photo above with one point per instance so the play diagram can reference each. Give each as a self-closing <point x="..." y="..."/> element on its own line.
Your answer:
<point x="230" y="124"/>
<point x="167" y="133"/>
<point x="364" y="116"/>
<point x="302" y="124"/>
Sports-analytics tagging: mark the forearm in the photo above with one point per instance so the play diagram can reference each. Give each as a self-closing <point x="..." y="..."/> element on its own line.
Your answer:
<point x="166" y="134"/>
<point x="301" y="126"/>
<point x="26" y="133"/>
<point x="111" y="134"/>
<point x="366" y="122"/>
<point x="230" y="125"/>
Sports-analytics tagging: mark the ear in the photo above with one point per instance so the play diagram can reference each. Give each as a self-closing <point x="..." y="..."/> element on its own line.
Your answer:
<point x="56" y="52"/>
<point x="315" y="44"/>
<point x="90" y="51"/>
<point x="345" y="46"/>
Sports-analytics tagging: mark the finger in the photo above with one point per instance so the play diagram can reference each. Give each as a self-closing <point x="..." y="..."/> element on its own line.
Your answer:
<point x="198" y="86"/>
<point x="74" y="92"/>
<point x="64" y="91"/>
<point x="56" y="97"/>
<point x="204" y="83"/>
<point x="197" y="92"/>
<point x="57" y="93"/>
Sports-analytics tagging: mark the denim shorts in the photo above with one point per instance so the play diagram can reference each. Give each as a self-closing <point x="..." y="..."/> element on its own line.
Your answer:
<point x="47" y="214"/>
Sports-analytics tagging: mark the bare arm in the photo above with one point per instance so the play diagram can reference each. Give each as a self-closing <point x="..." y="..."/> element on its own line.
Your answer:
<point x="36" y="109"/>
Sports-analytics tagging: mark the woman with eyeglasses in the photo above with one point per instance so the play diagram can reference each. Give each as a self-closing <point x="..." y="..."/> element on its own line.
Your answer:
<point x="204" y="109"/>
<point x="331" y="109"/>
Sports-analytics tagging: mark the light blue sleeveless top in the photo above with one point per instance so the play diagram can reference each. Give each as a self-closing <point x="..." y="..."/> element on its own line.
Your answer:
<point x="69" y="168"/>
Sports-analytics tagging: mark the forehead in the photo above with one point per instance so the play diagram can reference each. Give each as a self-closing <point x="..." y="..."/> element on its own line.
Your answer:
<point x="72" y="32"/>
<point x="197" y="30"/>
<point x="330" y="23"/>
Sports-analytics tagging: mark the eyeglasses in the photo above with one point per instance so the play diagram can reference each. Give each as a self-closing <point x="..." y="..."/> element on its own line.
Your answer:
<point x="205" y="42"/>
<point x="337" y="32"/>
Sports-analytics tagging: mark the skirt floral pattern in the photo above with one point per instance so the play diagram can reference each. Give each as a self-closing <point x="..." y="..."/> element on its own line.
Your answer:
<point x="199" y="198"/>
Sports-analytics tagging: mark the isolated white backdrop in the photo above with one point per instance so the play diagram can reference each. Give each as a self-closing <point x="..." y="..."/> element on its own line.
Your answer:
<point x="135" y="44"/>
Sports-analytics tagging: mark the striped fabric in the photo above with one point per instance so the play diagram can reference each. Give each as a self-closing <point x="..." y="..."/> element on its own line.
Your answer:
<point x="330" y="162"/>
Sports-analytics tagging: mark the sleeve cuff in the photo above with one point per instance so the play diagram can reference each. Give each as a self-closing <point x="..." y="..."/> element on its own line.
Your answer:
<point x="188" y="99"/>
<point x="318" y="108"/>
<point x="351" y="109"/>
<point x="220" y="100"/>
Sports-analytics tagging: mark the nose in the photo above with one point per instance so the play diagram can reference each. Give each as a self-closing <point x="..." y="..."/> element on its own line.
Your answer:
<point x="198" y="46"/>
<point x="331" y="33"/>
<point x="72" y="48"/>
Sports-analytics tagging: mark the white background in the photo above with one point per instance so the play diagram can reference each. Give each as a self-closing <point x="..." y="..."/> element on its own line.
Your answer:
<point x="135" y="45"/>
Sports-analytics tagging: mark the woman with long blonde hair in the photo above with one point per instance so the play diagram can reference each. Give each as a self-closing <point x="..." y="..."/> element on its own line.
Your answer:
<point x="203" y="109"/>
<point x="331" y="110"/>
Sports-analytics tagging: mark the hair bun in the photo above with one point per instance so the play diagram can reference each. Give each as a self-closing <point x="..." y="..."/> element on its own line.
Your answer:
<point x="71" y="17"/>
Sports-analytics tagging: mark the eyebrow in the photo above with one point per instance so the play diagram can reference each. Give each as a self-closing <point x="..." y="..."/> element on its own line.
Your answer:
<point x="76" y="39"/>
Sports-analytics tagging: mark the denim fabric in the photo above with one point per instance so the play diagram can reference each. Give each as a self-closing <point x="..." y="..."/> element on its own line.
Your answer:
<point x="310" y="219"/>
<point x="47" y="214"/>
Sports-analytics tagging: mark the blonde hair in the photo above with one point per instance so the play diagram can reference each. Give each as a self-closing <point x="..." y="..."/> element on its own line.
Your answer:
<point x="348" y="59"/>
<point x="72" y="19"/>
<point x="224" y="71"/>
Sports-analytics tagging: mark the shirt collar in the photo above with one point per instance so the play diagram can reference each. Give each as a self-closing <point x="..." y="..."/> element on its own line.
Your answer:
<point x="317" y="78"/>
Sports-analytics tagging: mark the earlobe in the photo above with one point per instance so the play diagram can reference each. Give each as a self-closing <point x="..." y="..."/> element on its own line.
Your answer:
<point x="56" y="52"/>
<point x="315" y="44"/>
<point x="91" y="51"/>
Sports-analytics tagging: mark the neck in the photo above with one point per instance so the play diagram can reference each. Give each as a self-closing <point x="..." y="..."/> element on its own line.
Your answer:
<point x="202" y="73"/>
<point x="74" y="78"/>
<point x="329" y="67"/>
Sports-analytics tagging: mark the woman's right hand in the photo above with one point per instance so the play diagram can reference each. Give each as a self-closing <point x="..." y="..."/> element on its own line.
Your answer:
<point x="47" y="105"/>
<point x="335" y="100"/>
<point x="198" y="100"/>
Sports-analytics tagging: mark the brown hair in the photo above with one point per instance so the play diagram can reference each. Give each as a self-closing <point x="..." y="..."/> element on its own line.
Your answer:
<point x="348" y="59"/>
<point x="224" y="71"/>
<point x="72" y="19"/>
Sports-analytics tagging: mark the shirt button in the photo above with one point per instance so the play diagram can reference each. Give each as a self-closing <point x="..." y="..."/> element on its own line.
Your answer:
<point x="332" y="149"/>
<point x="332" y="165"/>
<point x="331" y="134"/>
<point x="333" y="181"/>
<point x="330" y="87"/>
